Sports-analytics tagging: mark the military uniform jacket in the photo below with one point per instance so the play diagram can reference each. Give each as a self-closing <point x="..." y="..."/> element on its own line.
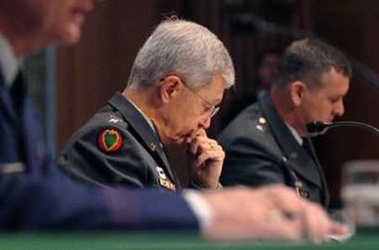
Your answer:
<point x="260" y="149"/>
<point x="118" y="146"/>
<point x="35" y="194"/>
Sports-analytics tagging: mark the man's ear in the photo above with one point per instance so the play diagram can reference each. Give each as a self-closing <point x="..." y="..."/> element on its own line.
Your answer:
<point x="297" y="92"/>
<point x="169" y="88"/>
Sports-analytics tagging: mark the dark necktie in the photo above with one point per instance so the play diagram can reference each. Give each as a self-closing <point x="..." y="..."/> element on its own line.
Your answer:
<point x="306" y="145"/>
<point x="18" y="92"/>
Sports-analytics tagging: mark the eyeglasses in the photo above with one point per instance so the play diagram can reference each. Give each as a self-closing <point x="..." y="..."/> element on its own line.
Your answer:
<point x="211" y="109"/>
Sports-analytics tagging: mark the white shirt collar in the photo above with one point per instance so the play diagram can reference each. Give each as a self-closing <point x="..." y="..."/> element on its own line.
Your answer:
<point x="295" y="134"/>
<point x="8" y="61"/>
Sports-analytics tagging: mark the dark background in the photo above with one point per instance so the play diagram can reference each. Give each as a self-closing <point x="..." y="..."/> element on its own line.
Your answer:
<point x="87" y="75"/>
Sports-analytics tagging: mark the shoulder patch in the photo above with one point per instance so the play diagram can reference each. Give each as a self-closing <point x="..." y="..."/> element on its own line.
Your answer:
<point x="110" y="140"/>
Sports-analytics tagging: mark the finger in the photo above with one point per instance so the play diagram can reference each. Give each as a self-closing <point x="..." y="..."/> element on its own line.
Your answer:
<point x="194" y="147"/>
<point x="201" y="132"/>
<point x="286" y="199"/>
<point x="278" y="226"/>
<point x="316" y="224"/>
<point x="201" y="143"/>
<point x="193" y="135"/>
<point x="214" y="154"/>
<point x="287" y="229"/>
<point x="310" y="217"/>
<point x="338" y="228"/>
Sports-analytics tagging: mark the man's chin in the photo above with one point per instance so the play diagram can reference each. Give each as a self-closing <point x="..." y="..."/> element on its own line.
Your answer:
<point x="70" y="36"/>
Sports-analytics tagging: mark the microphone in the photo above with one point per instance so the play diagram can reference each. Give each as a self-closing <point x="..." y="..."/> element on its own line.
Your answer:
<point x="316" y="128"/>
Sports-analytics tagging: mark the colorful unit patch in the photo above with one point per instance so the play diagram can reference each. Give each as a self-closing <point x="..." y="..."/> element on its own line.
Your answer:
<point x="110" y="140"/>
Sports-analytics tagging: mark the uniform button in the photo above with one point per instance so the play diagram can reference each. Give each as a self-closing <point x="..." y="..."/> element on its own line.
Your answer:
<point x="262" y="120"/>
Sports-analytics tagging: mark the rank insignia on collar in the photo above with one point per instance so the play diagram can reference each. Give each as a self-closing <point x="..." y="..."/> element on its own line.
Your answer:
<point x="110" y="140"/>
<point x="259" y="127"/>
<point x="115" y="120"/>
<point x="153" y="146"/>
<point x="167" y="184"/>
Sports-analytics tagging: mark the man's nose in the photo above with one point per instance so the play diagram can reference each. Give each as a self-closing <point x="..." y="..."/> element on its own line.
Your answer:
<point x="205" y="122"/>
<point x="339" y="109"/>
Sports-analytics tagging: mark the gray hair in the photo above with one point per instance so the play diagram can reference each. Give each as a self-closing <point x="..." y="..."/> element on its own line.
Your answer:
<point x="308" y="60"/>
<point x="184" y="48"/>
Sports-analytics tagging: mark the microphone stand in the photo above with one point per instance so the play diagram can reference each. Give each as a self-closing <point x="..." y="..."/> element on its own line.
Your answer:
<point x="318" y="128"/>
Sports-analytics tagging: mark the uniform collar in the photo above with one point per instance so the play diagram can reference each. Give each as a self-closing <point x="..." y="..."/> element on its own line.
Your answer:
<point x="134" y="116"/>
<point x="295" y="134"/>
<point x="8" y="62"/>
<point x="147" y="119"/>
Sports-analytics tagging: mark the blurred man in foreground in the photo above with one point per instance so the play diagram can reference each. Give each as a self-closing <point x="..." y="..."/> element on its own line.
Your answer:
<point x="36" y="195"/>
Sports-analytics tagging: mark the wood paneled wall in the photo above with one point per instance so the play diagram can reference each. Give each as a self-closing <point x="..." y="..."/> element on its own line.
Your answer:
<point x="89" y="74"/>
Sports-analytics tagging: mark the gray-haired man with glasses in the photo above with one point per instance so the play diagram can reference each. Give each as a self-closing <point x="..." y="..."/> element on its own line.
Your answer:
<point x="177" y="80"/>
